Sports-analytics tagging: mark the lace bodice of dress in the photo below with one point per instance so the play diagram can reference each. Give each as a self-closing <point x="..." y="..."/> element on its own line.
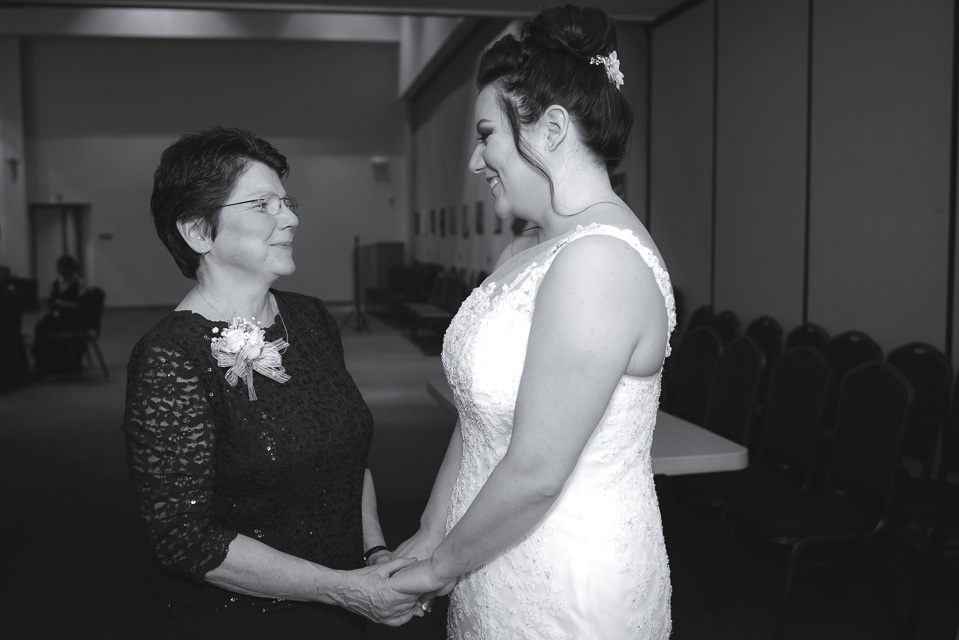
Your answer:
<point x="609" y="501"/>
<point x="207" y="463"/>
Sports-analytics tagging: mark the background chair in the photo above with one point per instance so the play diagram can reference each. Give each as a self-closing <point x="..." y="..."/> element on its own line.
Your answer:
<point x="926" y="515"/>
<point x="808" y="334"/>
<point x="726" y="324"/>
<point x="84" y="336"/>
<point x="730" y="413"/>
<point x="846" y="351"/>
<point x="702" y="316"/>
<point x="930" y="374"/>
<point x="787" y="439"/>
<point x="404" y="284"/>
<point x="688" y="375"/>
<point x="841" y="522"/>
<point x="427" y="321"/>
<point x="732" y="397"/>
<point x="768" y="334"/>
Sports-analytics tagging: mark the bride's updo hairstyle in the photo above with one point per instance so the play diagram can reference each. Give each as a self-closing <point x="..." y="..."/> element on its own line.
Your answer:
<point x="550" y="64"/>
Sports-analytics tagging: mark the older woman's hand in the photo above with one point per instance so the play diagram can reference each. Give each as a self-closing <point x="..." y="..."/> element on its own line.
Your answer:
<point x="368" y="593"/>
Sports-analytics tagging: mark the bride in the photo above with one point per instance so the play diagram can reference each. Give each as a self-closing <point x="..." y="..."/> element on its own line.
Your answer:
<point x="543" y="521"/>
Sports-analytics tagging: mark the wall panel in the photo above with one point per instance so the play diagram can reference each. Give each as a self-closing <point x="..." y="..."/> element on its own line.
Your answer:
<point x="761" y="159"/>
<point x="880" y="168"/>
<point x="681" y="150"/>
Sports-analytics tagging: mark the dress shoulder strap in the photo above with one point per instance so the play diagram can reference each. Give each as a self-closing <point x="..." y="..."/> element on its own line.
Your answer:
<point x="647" y="254"/>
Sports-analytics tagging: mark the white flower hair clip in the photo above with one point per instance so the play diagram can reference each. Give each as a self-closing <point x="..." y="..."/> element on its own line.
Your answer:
<point x="611" y="62"/>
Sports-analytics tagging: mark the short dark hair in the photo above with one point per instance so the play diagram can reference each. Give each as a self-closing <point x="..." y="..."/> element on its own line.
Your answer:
<point x="550" y="64"/>
<point x="195" y="176"/>
<point x="67" y="266"/>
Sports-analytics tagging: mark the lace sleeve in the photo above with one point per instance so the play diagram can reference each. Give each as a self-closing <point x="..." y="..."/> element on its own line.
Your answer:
<point x="170" y="455"/>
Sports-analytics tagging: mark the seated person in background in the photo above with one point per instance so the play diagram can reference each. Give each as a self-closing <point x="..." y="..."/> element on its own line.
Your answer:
<point x="50" y="356"/>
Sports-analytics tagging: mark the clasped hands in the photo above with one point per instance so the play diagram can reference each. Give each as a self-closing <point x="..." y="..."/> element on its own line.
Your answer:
<point x="399" y="588"/>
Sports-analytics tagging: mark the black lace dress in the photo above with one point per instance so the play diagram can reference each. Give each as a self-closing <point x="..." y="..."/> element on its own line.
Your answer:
<point x="207" y="463"/>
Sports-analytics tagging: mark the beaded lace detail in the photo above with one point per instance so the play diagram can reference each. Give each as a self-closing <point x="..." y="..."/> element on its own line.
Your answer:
<point x="596" y="566"/>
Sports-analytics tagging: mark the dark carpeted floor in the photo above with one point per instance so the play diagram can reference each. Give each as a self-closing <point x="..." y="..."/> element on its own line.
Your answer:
<point x="74" y="553"/>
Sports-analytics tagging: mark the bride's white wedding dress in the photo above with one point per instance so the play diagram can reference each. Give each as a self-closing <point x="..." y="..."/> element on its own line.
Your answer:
<point x="595" y="568"/>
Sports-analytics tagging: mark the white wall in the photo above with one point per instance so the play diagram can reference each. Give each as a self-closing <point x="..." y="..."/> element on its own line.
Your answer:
<point x="421" y="39"/>
<point x="100" y="111"/>
<point x="444" y="137"/>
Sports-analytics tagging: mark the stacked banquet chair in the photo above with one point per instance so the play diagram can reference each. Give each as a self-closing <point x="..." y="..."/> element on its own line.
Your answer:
<point x="785" y="449"/>
<point x="845" y="351"/>
<point x="726" y="323"/>
<point x="733" y="394"/>
<point x="378" y="299"/>
<point x="405" y="284"/>
<point x="423" y="286"/>
<point x="730" y="413"/>
<point x="926" y="511"/>
<point x="688" y="374"/>
<point x="426" y="322"/>
<point x="839" y="519"/>
<point x="702" y="317"/>
<point x="768" y="334"/>
<point x="808" y="334"/>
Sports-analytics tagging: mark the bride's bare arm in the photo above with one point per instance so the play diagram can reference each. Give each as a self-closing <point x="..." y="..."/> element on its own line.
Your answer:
<point x="433" y="520"/>
<point x="593" y="308"/>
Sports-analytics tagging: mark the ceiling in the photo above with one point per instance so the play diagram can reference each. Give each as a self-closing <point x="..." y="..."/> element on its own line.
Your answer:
<point x="623" y="10"/>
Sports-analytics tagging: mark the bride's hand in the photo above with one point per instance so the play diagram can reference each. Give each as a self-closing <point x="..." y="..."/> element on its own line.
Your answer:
<point x="420" y="578"/>
<point x="419" y="547"/>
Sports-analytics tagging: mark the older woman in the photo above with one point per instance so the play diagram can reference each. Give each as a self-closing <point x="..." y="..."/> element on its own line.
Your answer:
<point x="246" y="437"/>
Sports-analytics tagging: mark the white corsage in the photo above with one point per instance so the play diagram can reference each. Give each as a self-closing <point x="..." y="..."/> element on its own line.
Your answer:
<point x="242" y="348"/>
<point x="611" y="62"/>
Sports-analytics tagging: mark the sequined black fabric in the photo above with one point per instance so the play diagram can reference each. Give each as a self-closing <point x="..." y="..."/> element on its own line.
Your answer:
<point x="207" y="463"/>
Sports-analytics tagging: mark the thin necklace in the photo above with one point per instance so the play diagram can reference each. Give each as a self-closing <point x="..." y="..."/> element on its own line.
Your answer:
<point x="615" y="204"/>
<point x="273" y="307"/>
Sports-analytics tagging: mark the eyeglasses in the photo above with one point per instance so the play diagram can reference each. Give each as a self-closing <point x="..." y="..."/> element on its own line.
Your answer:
<point x="271" y="205"/>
